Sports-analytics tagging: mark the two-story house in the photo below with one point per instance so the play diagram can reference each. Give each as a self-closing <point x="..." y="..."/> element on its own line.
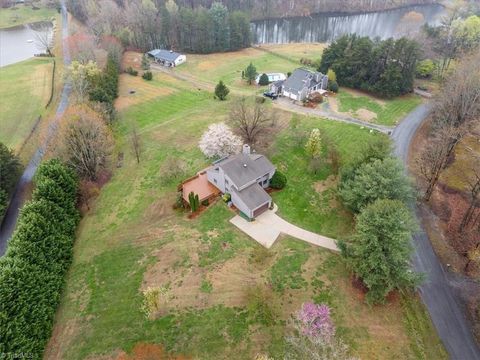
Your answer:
<point x="245" y="177"/>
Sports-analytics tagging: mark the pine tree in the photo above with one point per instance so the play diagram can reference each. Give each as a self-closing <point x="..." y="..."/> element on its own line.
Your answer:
<point x="264" y="80"/>
<point x="221" y="91"/>
<point x="250" y="73"/>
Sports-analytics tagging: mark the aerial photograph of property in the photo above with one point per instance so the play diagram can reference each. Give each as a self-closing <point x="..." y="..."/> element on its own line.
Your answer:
<point x="240" y="179"/>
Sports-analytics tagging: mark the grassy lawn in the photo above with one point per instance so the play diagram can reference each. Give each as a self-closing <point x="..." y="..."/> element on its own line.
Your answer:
<point x="24" y="91"/>
<point x="380" y="111"/>
<point x="228" y="66"/>
<point x="24" y="14"/>
<point x="225" y="297"/>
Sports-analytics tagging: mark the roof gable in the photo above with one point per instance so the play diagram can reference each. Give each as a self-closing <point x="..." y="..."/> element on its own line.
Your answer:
<point x="300" y="78"/>
<point x="164" y="54"/>
<point x="242" y="169"/>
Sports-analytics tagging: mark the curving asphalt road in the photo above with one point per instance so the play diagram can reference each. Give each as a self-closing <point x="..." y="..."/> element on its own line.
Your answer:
<point x="437" y="292"/>
<point x="10" y="220"/>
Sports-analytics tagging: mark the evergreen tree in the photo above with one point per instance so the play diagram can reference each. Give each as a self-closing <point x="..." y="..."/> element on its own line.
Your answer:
<point x="379" y="252"/>
<point x="250" y="73"/>
<point x="221" y="29"/>
<point x="263" y="80"/>
<point x="221" y="91"/>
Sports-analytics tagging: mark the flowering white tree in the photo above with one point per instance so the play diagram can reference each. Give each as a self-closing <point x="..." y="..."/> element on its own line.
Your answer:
<point x="219" y="141"/>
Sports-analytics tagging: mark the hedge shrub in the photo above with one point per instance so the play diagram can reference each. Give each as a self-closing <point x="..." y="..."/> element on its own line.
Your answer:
<point x="38" y="256"/>
<point x="279" y="180"/>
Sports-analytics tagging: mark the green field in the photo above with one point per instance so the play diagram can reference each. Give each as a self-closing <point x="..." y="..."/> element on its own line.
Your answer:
<point x="387" y="112"/>
<point x="24" y="14"/>
<point x="226" y="297"/>
<point x="25" y="88"/>
<point x="228" y="66"/>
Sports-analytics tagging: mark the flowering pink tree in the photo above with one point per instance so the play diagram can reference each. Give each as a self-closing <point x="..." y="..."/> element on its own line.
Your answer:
<point x="316" y="322"/>
<point x="219" y="141"/>
<point x="313" y="336"/>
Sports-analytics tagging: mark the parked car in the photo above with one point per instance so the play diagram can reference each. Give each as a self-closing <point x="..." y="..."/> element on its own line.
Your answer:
<point x="270" y="94"/>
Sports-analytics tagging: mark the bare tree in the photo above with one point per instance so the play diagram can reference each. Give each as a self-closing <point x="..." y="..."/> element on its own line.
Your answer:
<point x="474" y="190"/>
<point x="249" y="120"/>
<point x="136" y="143"/>
<point x="43" y="37"/>
<point x="459" y="102"/>
<point x="454" y="112"/>
<point x="434" y="157"/>
<point x="85" y="141"/>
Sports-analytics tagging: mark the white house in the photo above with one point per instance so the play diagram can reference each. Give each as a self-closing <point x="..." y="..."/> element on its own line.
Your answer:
<point x="272" y="77"/>
<point x="167" y="57"/>
<point x="245" y="177"/>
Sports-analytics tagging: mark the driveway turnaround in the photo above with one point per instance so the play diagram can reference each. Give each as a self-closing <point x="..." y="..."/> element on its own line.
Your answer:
<point x="267" y="228"/>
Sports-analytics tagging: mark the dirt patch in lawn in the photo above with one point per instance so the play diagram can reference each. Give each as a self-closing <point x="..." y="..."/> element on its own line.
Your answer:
<point x="366" y="115"/>
<point x="333" y="103"/>
<point x="132" y="59"/>
<point x="178" y="270"/>
<point x="61" y="339"/>
<point x="328" y="183"/>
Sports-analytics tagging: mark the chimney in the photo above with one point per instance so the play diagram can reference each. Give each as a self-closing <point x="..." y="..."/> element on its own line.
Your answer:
<point x="246" y="149"/>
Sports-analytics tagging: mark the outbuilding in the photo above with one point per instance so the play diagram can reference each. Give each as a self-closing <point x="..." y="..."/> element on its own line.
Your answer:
<point x="167" y="57"/>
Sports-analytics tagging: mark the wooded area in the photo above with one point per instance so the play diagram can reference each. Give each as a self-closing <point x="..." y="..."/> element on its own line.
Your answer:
<point x="148" y="24"/>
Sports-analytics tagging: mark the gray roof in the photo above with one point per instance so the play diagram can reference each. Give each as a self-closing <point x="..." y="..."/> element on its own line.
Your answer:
<point x="253" y="196"/>
<point x="164" y="54"/>
<point x="243" y="169"/>
<point x="297" y="81"/>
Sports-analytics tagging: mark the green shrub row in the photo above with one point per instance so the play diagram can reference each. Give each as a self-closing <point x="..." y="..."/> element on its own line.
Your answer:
<point x="38" y="256"/>
<point x="10" y="171"/>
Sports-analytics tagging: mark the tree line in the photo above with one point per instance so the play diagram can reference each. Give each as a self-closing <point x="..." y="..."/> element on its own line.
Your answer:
<point x="148" y="24"/>
<point x="38" y="256"/>
<point x="383" y="67"/>
<point x="373" y="186"/>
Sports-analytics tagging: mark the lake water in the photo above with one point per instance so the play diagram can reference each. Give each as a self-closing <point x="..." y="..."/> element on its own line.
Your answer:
<point x="327" y="27"/>
<point x="19" y="43"/>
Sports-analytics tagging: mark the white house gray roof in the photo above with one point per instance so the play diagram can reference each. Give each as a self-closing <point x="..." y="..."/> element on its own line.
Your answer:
<point x="243" y="169"/>
<point x="164" y="54"/>
<point x="253" y="196"/>
<point x="300" y="79"/>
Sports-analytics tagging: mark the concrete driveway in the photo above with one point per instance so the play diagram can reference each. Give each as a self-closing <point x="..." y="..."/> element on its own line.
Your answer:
<point x="267" y="228"/>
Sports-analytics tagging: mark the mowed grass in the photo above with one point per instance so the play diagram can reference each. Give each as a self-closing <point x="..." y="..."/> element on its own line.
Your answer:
<point x="387" y="111"/>
<point x="228" y="66"/>
<point x="24" y="14"/>
<point x="24" y="91"/>
<point x="132" y="239"/>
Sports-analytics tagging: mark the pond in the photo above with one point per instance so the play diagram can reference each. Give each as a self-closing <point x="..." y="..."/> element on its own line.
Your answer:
<point x="22" y="42"/>
<point x="327" y="27"/>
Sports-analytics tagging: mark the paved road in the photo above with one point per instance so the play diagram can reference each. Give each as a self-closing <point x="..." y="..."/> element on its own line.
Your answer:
<point x="437" y="292"/>
<point x="10" y="220"/>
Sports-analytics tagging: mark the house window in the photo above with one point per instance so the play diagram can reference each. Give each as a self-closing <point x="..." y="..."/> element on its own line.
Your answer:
<point x="226" y="182"/>
<point x="215" y="181"/>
